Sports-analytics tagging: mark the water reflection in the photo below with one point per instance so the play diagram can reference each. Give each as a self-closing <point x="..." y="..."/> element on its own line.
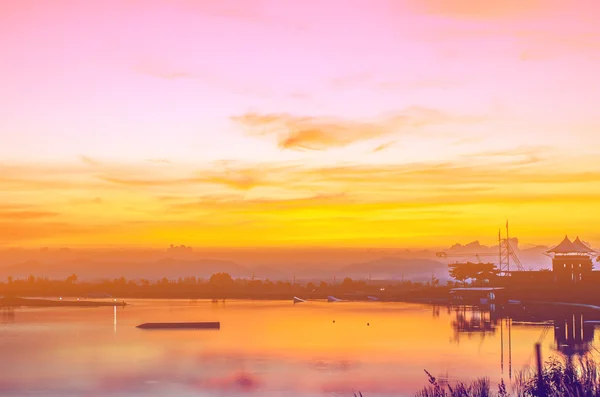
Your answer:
<point x="471" y="320"/>
<point x="573" y="325"/>
<point x="309" y="350"/>
<point x="8" y="315"/>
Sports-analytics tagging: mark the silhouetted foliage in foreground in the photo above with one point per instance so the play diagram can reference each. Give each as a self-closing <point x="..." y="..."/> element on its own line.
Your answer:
<point x="560" y="378"/>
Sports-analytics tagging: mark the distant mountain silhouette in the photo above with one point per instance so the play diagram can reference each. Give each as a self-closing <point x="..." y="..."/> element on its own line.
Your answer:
<point x="167" y="267"/>
<point x="264" y="272"/>
<point x="531" y="258"/>
<point x="275" y="264"/>
<point x="395" y="268"/>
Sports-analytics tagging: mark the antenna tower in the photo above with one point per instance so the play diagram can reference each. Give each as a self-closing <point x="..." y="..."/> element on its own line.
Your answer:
<point x="506" y="253"/>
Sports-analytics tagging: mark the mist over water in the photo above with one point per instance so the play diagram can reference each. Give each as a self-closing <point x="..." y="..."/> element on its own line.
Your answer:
<point x="263" y="348"/>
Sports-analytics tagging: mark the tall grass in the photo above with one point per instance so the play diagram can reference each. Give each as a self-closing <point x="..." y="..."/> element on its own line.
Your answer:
<point x="560" y="378"/>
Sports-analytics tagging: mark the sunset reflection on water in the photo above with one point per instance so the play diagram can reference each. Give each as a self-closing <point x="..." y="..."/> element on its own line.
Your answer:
<point x="263" y="347"/>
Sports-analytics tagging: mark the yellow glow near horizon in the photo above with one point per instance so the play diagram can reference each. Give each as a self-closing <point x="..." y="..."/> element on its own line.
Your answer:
<point x="288" y="129"/>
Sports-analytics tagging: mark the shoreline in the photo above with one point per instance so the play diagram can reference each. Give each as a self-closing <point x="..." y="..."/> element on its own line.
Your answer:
<point x="37" y="301"/>
<point x="14" y="302"/>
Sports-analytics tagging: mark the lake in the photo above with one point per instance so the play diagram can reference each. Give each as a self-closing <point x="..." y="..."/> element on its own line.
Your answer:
<point x="265" y="348"/>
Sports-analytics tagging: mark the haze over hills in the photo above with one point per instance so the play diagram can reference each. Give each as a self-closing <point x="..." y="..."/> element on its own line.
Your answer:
<point x="275" y="264"/>
<point x="531" y="258"/>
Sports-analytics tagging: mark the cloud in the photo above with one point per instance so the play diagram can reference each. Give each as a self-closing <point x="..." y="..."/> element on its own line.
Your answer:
<point x="384" y="146"/>
<point x="243" y="204"/>
<point x="18" y="230"/>
<point x="89" y="161"/>
<point x="546" y="44"/>
<point x="233" y="177"/>
<point x="150" y="182"/>
<point x="524" y="154"/>
<point x="261" y="202"/>
<point x="475" y="9"/>
<point x="320" y="133"/>
<point x="93" y="201"/>
<point x="249" y="10"/>
<point x="25" y="215"/>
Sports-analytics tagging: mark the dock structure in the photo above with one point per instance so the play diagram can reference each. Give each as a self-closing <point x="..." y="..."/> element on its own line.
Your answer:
<point x="478" y="295"/>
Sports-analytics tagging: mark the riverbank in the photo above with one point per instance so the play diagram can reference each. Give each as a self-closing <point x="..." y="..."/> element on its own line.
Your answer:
<point x="11" y="302"/>
<point x="557" y="377"/>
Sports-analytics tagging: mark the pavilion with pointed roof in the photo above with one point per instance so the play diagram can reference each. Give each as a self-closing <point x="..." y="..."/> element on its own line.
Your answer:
<point x="571" y="260"/>
<point x="568" y="247"/>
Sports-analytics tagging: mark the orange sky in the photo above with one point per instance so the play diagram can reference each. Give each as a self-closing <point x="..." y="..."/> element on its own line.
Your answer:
<point x="310" y="123"/>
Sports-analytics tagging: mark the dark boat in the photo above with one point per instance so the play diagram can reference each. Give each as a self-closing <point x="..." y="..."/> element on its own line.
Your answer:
<point x="201" y="325"/>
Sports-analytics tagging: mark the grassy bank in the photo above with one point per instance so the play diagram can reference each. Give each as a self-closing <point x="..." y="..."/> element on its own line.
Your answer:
<point x="559" y="378"/>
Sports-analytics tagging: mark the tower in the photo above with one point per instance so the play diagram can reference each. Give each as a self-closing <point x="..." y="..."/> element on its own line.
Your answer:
<point x="571" y="261"/>
<point x="506" y="253"/>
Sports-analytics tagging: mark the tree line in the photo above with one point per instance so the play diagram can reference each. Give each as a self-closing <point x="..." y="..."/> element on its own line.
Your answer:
<point x="218" y="286"/>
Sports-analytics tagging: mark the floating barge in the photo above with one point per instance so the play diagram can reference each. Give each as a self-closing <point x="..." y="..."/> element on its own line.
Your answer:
<point x="200" y="325"/>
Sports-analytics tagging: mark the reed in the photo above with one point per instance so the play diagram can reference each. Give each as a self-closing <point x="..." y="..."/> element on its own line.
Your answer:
<point x="560" y="378"/>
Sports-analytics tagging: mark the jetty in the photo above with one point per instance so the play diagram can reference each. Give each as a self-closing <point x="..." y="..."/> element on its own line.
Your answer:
<point x="199" y="325"/>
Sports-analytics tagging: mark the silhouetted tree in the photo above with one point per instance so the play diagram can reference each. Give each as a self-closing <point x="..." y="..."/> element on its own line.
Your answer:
<point x="221" y="279"/>
<point x="475" y="271"/>
<point x="72" y="279"/>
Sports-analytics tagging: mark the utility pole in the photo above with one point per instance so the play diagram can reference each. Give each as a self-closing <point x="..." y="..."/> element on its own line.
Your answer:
<point x="507" y="248"/>
<point x="538" y="358"/>
<point x="499" y="250"/>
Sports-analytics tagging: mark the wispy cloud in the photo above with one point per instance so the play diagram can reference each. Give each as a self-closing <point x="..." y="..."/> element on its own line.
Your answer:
<point x="547" y="44"/>
<point x="474" y="9"/>
<point x="244" y="204"/>
<point x="255" y="202"/>
<point x="89" y="161"/>
<point x="93" y="201"/>
<point x="236" y="178"/>
<point x="320" y="133"/>
<point x="25" y="215"/>
<point x="384" y="146"/>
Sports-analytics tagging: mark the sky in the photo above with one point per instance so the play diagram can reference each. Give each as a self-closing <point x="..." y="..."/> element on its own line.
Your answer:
<point x="358" y="123"/>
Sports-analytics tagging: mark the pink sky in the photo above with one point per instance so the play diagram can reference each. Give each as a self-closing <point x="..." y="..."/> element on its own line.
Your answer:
<point x="377" y="83"/>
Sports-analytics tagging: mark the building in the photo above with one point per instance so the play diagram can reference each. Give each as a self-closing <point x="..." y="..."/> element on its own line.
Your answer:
<point x="572" y="262"/>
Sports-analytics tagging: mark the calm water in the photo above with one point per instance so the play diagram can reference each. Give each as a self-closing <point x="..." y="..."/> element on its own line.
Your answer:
<point x="263" y="348"/>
